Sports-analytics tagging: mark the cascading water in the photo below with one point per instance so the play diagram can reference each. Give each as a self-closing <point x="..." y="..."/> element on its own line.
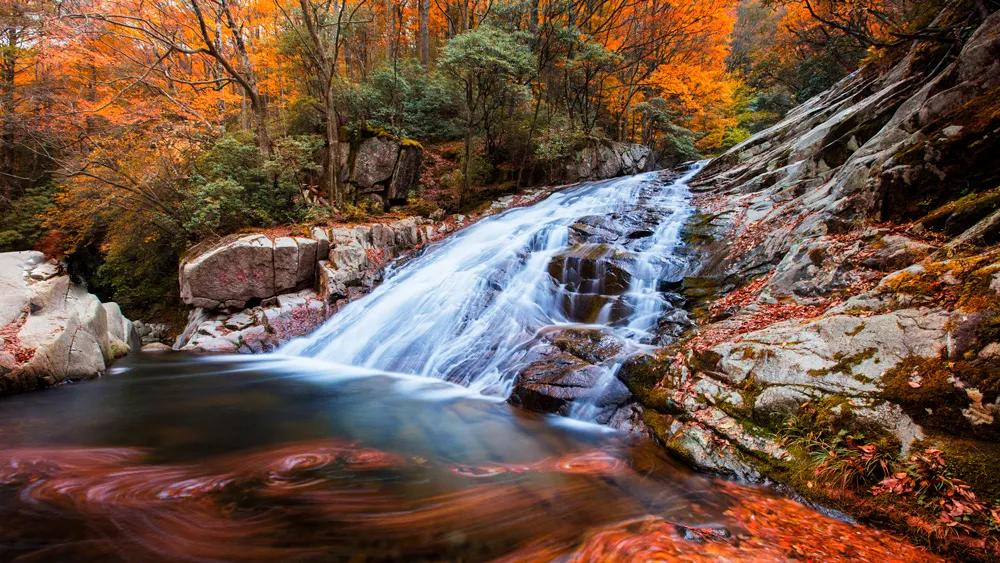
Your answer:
<point x="472" y="308"/>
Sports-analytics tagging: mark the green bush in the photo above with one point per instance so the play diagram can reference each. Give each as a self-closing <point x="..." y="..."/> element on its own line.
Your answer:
<point x="21" y="225"/>
<point x="407" y="101"/>
<point x="232" y="189"/>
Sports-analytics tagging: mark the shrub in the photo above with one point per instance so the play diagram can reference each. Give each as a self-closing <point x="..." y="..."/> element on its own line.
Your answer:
<point x="22" y="224"/>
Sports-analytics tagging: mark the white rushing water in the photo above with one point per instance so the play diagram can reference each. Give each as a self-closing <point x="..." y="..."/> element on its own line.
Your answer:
<point x="471" y="308"/>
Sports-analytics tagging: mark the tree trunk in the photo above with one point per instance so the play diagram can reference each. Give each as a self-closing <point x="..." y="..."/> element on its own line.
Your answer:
<point x="259" y="116"/>
<point x="466" y="185"/>
<point x="331" y="164"/>
<point x="424" y="40"/>
<point x="469" y="124"/>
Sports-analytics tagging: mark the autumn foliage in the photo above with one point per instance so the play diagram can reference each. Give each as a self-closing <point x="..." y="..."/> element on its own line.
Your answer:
<point x="132" y="128"/>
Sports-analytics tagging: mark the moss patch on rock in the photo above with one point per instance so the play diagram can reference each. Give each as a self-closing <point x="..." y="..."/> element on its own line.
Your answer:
<point x="938" y="393"/>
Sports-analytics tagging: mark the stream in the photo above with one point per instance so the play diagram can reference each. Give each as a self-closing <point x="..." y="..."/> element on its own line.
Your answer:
<point x="385" y="435"/>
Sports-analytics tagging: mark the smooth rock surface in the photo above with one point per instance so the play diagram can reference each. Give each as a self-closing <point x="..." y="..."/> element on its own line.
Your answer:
<point x="51" y="329"/>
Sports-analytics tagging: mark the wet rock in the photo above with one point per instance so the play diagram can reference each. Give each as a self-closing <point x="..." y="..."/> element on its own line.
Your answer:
<point x="550" y="384"/>
<point x="591" y="345"/>
<point x="156" y="347"/>
<point x="592" y="268"/>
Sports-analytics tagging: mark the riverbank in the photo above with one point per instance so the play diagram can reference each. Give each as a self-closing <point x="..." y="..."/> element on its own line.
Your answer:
<point x="847" y="303"/>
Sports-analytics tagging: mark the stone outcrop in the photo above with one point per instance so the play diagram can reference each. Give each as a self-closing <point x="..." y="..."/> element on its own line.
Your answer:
<point x="51" y="329"/>
<point x="242" y="268"/>
<point x="845" y="282"/>
<point x="610" y="159"/>
<point x="291" y="283"/>
<point x="383" y="169"/>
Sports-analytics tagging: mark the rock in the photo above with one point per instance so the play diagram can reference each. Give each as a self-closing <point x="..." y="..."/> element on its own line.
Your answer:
<point x="590" y="345"/>
<point x="259" y="329"/>
<point x="406" y="176"/>
<point x="840" y="354"/>
<point x="242" y="268"/>
<point x="592" y="268"/>
<point x="121" y="331"/>
<point x="280" y="275"/>
<point x="375" y="161"/>
<point x="551" y="383"/>
<point x="151" y="332"/>
<point x="897" y="252"/>
<point x="990" y="352"/>
<point x="156" y="347"/>
<point x="52" y="330"/>
<point x="606" y="160"/>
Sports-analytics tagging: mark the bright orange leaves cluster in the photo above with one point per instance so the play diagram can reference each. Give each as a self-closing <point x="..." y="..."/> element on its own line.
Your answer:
<point x="145" y="63"/>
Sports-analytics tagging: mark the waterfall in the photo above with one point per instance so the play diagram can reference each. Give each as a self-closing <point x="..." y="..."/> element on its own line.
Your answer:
<point x="471" y="308"/>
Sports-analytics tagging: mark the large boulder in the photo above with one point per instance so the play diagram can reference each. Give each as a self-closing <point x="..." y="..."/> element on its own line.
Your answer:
<point x="553" y="382"/>
<point x="52" y="329"/>
<point x="407" y="174"/>
<point x="383" y="169"/>
<point x="604" y="160"/>
<point x="253" y="292"/>
<point x="374" y="162"/>
<point x="243" y="268"/>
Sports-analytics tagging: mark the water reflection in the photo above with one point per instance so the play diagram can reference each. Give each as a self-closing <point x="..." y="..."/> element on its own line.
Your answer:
<point x="220" y="459"/>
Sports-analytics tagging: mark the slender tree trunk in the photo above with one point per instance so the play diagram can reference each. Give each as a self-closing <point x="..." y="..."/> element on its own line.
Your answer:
<point x="424" y="40"/>
<point x="466" y="184"/>
<point x="331" y="163"/>
<point x="527" y="147"/>
<point x="258" y="112"/>
<point x="469" y="123"/>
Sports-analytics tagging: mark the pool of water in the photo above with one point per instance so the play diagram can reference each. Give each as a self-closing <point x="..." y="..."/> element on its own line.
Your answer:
<point x="178" y="457"/>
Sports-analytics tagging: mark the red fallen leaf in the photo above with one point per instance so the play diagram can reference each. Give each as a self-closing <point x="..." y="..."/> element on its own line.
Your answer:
<point x="914" y="384"/>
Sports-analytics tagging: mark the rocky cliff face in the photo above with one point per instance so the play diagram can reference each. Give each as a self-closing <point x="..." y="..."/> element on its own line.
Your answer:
<point x="849" y="279"/>
<point x="604" y="160"/>
<point x="51" y="329"/>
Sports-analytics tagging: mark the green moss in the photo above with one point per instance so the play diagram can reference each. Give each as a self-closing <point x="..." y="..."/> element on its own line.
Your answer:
<point x="960" y="214"/>
<point x="649" y="378"/>
<point x="412" y="143"/>
<point x="973" y="461"/>
<point x="934" y="392"/>
<point x="845" y="364"/>
<point x="856" y="330"/>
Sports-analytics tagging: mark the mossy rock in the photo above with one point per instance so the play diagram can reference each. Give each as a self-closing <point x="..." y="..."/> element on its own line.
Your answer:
<point x="974" y="461"/>
<point x="955" y="217"/>
<point x="936" y="393"/>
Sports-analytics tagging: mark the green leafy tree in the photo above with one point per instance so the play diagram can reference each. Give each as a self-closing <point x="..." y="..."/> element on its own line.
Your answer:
<point x="492" y="68"/>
